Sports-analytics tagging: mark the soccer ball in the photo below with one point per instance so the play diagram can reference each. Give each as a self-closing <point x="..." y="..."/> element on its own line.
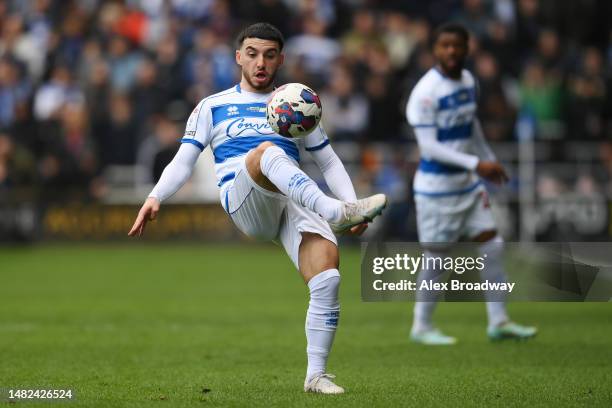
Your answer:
<point x="293" y="110"/>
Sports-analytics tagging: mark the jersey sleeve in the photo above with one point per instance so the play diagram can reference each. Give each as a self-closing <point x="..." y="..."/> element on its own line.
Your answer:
<point x="421" y="109"/>
<point x="316" y="140"/>
<point x="199" y="126"/>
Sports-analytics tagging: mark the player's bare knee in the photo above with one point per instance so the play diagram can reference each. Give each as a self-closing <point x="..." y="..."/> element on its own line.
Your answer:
<point x="253" y="158"/>
<point x="317" y="254"/>
<point x="256" y="153"/>
<point x="321" y="249"/>
<point x="264" y="145"/>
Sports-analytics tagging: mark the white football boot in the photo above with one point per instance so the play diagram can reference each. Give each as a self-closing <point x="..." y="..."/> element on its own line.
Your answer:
<point x="364" y="210"/>
<point x="511" y="330"/>
<point x="432" y="337"/>
<point x="322" y="384"/>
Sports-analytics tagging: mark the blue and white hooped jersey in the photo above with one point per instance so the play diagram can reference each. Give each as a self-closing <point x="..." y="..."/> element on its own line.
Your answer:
<point x="448" y="105"/>
<point x="233" y="122"/>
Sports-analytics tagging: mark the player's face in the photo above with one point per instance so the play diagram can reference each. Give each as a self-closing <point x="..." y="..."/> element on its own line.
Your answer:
<point x="450" y="51"/>
<point x="259" y="60"/>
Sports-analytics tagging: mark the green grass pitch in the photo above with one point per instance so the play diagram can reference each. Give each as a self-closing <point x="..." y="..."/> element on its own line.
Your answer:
<point x="197" y="325"/>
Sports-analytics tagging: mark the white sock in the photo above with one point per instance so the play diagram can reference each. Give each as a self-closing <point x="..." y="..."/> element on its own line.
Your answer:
<point x="494" y="272"/>
<point x="295" y="184"/>
<point x="321" y="319"/>
<point x="423" y="310"/>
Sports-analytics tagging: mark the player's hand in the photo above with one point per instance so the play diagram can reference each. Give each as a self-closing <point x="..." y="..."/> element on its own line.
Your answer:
<point x="147" y="213"/>
<point x="492" y="171"/>
<point x="358" y="229"/>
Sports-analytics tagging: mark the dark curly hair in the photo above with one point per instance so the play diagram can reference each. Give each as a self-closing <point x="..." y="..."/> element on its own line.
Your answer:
<point x="264" y="31"/>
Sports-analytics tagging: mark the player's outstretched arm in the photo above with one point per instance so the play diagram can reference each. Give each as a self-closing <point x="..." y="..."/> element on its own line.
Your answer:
<point x="172" y="179"/>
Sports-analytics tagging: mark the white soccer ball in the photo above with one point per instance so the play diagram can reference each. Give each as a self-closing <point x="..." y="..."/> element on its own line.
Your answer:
<point x="294" y="110"/>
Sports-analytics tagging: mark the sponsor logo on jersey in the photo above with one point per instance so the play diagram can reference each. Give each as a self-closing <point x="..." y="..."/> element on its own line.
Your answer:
<point x="241" y="125"/>
<point x="256" y="109"/>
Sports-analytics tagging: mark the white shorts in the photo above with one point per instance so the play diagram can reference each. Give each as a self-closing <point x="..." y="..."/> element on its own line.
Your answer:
<point x="449" y="218"/>
<point x="266" y="215"/>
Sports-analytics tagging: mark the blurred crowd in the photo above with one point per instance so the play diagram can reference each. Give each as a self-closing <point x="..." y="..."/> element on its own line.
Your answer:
<point x="89" y="84"/>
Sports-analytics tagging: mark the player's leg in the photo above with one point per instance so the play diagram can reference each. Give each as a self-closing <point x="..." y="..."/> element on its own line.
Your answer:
<point x="423" y="331"/>
<point x="491" y="246"/>
<point x="271" y="168"/>
<point x="318" y="259"/>
<point x="481" y="228"/>
<point x="309" y="242"/>
<point x="435" y="225"/>
<point x="265" y="214"/>
<point x="500" y="326"/>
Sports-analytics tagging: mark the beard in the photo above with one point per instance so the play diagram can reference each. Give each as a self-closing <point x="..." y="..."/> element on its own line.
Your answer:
<point x="260" y="86"/>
